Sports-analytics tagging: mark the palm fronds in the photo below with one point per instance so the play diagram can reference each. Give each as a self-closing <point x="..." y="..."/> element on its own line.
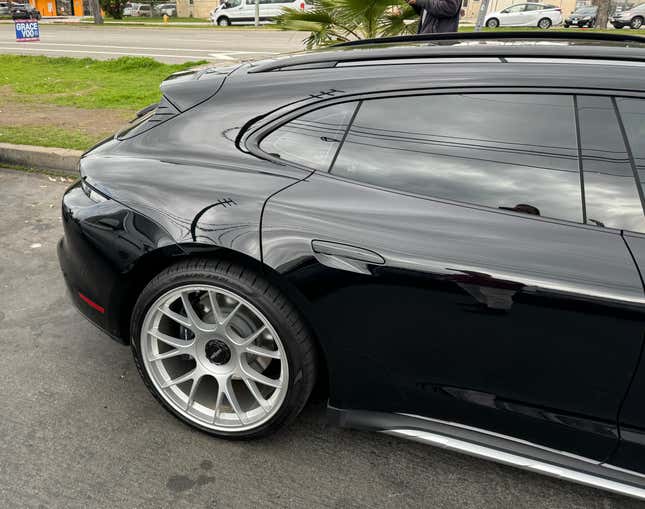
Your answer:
<point x="333" y="21"/>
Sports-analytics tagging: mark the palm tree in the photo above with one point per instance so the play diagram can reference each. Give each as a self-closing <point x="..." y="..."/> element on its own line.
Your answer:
<point x="332" y="21"/>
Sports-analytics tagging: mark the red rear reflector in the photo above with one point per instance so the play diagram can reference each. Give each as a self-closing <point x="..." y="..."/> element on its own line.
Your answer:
<point x="302" y="6"/>
<point x="91" y="303"/>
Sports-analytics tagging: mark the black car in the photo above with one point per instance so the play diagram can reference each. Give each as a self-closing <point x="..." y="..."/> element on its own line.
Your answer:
<point x="583" y="17"/>
<point x="24" y="11"/>
<point x="445" y="232"/>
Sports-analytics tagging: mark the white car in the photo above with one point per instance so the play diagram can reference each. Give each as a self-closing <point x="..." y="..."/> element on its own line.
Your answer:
<point x="526" y="15"/>
<point x="243" y="11"/>
<point x="129" y="8"/>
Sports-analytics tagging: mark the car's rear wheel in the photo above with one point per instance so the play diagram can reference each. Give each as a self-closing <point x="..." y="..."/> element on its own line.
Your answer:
<point x="637" y="22"/>
<point x="492" y="23"/>
<point x="222" y="349"/>
<point x="223" y="21"/>
<point x="544" y="23"/>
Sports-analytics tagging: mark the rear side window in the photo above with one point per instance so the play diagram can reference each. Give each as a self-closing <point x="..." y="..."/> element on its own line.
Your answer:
<point x="509" y="151"/>
<point x="312" y="139"/>
<point x="611" y="194"/>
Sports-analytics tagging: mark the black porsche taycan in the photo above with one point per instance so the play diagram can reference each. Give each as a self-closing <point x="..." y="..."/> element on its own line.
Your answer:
<point x="445" y="233"/>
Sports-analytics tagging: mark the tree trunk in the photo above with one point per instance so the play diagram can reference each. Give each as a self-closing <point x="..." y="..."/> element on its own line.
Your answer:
<point x="602" y="18"/>
<point x="96" y="12"/>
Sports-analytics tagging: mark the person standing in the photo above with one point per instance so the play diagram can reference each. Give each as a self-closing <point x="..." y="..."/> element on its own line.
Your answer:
<point x="437" y="15"/>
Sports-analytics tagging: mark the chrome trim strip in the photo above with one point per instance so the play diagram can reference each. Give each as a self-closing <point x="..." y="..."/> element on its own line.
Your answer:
<point x="507" y="438"/>
<point x="623" y="470"/>
<point x="515" y="460"/>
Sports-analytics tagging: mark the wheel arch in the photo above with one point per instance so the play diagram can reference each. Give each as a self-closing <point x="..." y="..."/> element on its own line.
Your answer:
<point x="154" y="262"/>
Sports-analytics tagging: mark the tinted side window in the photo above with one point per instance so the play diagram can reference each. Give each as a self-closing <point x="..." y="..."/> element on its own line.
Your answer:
<point x="510" y="151"/>
<point x="611" y="194"/>
<point x="312" y="139"/>
<point x="632" y="112"/>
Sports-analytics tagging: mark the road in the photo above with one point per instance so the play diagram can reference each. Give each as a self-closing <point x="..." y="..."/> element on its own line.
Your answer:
<point x="79" y="429"/>
<point x="171" y="45"/>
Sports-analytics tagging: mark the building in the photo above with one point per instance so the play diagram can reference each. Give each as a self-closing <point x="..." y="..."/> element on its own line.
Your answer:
<point x="195" y="8"/>
<point x="61" y="7"/>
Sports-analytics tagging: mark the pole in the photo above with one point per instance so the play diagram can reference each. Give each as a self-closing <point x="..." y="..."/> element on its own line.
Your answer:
<point x="483" y="9"/>
<point x="257" y="13"/>
<point x="96" y="12"/>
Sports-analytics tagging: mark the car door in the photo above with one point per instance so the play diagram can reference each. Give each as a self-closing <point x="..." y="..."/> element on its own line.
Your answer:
<point x="242" y="11"/>
<point x="512" y="16"/>
<point x="448" y="268"/>
<point x="631" y="453"/>
<point x="532" y="14"/>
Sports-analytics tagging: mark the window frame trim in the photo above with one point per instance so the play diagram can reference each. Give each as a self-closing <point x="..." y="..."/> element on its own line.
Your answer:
<point x="254" y="137"/>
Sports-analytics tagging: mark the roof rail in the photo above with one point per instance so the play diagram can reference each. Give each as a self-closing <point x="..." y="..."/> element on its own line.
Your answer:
<point x="470" y="36"/>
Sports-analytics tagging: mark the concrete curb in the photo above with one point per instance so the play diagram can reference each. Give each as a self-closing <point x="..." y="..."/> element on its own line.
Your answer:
<point x="44" y="158"/>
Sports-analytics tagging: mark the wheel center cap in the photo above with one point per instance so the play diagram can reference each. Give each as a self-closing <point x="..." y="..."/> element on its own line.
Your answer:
<point x="218" y="352"/>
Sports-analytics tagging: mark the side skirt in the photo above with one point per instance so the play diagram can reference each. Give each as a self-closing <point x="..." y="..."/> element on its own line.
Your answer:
<point x="495" y="447"/>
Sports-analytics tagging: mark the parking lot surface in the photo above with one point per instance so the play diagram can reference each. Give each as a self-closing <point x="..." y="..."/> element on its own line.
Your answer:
<point x="79" y="429"/>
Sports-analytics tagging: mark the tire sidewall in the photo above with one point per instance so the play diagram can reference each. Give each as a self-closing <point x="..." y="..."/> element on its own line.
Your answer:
<point x="492" y="23"/>
<point x="296" y="383"/>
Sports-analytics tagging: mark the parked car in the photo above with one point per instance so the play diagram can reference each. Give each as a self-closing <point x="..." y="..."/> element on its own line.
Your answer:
<point x="165" y="9"/>
<point x="24" y="11"/>
<point x="522" y="15"/>
<point x="4" y="9"/>
<point x="127" y="10"/>
<point x="454" y="251"/>
<point x="632" y="18"/>
<point x="142" y="10"/>
<point x="243" y="11"/>
<point x="582" y="17"/>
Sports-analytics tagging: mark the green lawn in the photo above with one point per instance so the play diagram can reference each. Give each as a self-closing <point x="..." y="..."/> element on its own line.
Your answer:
<point x="124" y="83"/>
<point x="154" y="19"/>
<point x="177" y="23"/>
<point x="47" y="136"/>
<point x="73" y="103"/>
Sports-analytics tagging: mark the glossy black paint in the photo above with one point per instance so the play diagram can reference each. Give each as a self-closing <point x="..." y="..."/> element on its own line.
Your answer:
<point x="483" y="316"/>
<point x="526" y="326"/>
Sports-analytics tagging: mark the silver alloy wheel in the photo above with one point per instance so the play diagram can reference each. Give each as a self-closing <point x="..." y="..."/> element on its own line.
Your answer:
<point x="215" y="358"/>
<point x="224" y="22"/>
<point x="637" y="22"/>
<point x="545" y="23"/>
<point x="492" y="23"/>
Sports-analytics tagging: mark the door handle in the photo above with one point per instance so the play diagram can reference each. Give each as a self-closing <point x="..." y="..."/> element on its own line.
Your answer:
<point x="345" y="257"/>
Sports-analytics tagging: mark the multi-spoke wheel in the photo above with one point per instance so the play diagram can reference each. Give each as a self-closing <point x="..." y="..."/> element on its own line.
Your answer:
<point x="222" y="349"/>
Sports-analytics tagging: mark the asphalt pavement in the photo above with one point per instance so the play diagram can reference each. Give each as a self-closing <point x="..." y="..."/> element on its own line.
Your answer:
<point x="171" y="45"/>
<point x="78" y="429"/>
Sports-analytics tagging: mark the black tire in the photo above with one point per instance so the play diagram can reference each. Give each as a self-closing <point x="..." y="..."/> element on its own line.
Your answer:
<point x="636" y="23"/>
<point x="544" y="23"/>
<point x="492" y="23"/>
<point x="224" y="21"/>
<point x="252" y="285"/>
<point x="566" y="25"/>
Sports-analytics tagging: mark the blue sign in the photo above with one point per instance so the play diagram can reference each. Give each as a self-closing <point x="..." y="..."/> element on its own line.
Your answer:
<point x="27" y="30"/>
